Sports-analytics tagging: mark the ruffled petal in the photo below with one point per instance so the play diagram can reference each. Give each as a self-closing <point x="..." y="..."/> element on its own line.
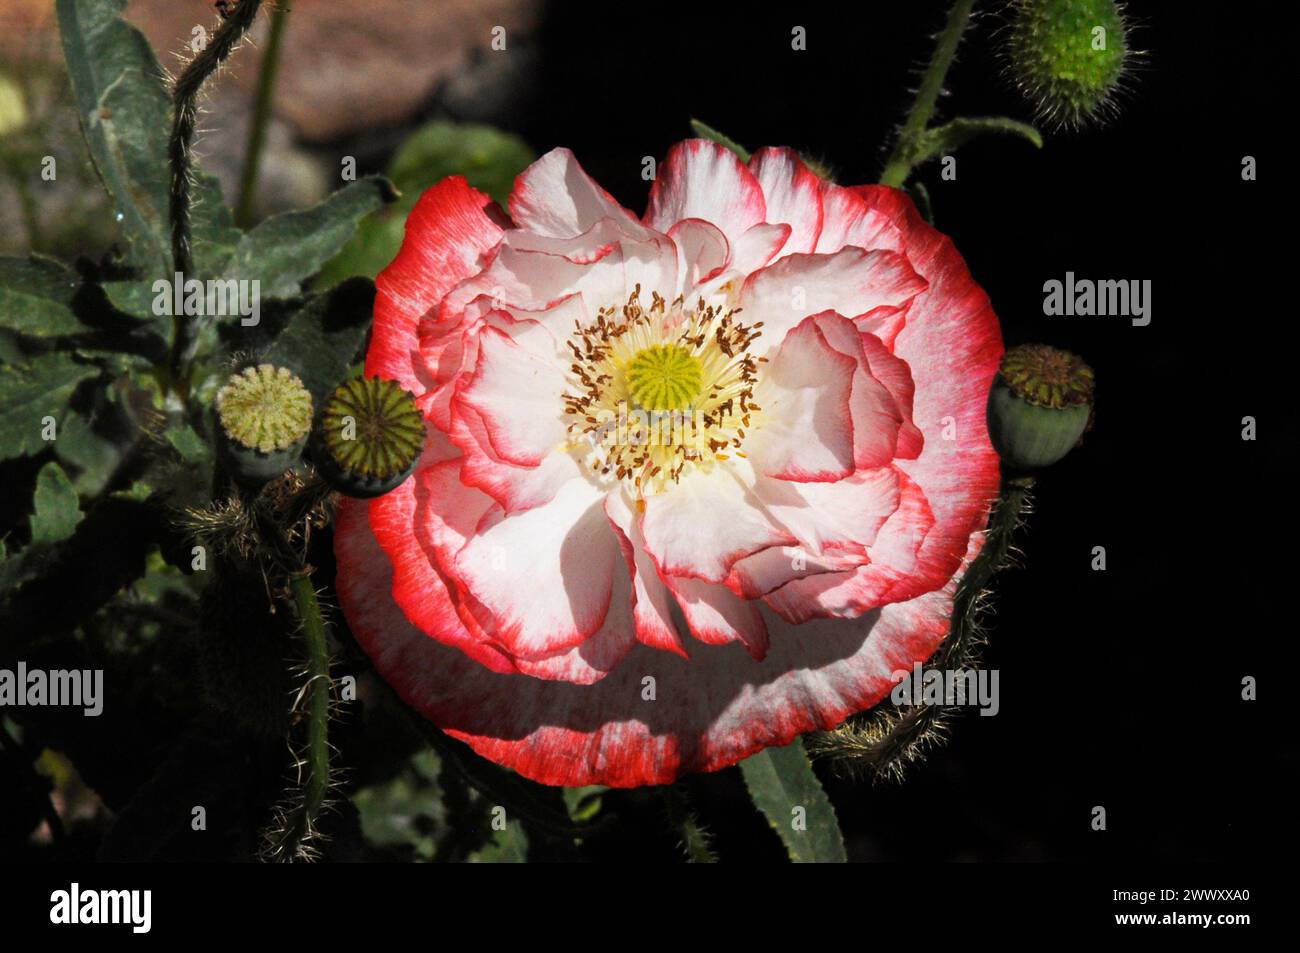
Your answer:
<point x="655" y="716"/>
<point x="851" y="282"/>
<point x="542" y="579"/>
<point x="651" y="600"/>
<point x="449" y="234"/>
<point x="708" y="521"/>
<point x="555" y="197"/>
<point x="805" y="392"/>
<point x="793" y="195"/>
<point x="717" y="616"/>
<point x="518" y="397"/>
<point x="701" y="179"/>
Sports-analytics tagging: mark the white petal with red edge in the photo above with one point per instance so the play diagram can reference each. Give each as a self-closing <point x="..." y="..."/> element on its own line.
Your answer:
<point x="514" y="487"/>
<point x="555" y="197"/>
<point x="709" y="712"/>
<point x="702" y="249"/>
<point x="843" y="514"/>
<point x="701" y="179"/>
<point x="717" y="616"/>
<point x="851" y="282"/>
<point x="449" y="234"/>
<point x="878" y="418"/>
<point x="545" y="575"/>
<point x="519" y="398"/>
<point x="807" y="431"/>
<point x="707" y="521"/>
<point x="793" y="195"/>
<point x="651" y="600"/>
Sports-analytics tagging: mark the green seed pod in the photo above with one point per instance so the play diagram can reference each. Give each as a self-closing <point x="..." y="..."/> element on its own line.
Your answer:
<point x="264" y="416"/>
<point x="1040" y="406"/>
<point x="369" y="437"/>
<point x="1068" y="57"/>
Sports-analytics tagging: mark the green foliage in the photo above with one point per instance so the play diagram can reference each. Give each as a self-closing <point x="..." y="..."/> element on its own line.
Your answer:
<point x="323" y="338"/>
<point x="36" y="296"/>
<point x="946" y="139"/>
<point x="31" y="391"/>
<point x="488" y="159"/>
<point x="121" y="96"/>
<point x="291" y="247"/>
<point x="507" y="846"/>
<point x="782" y="785"/>
<point x="56" y="508"/>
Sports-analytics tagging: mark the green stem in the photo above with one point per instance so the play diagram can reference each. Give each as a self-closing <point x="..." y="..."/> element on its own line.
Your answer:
<point x="695" y="840"/>
<point x="900" y="163"/>
<point x="185" y="111"/>
<point x="261" y="117"/>
<point x="318" y="698"/>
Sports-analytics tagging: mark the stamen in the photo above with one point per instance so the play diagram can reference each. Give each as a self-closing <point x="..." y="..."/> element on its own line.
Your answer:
<point x="657" y="390"/>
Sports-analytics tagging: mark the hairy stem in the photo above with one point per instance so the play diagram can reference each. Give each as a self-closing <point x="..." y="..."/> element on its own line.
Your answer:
<point x="185" y="110"/>
<point x="318" y="697"/>
<point x="901" y="160"/>
<point x="885" y="742"/>
<point x="695" y="840"/>
<point x="261" y="116"/>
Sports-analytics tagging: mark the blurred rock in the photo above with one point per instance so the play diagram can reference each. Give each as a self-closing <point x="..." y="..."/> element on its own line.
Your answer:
<point x="347" y="71"/>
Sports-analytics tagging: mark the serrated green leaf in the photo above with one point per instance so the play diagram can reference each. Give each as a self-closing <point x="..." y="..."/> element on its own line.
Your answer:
<point x="56" y="510"/>
<point x="322" y="339"/>
<point x="488" y="158"/>
<point x="30" y="391"/>
<point x="708" y="132"/>
<point x="135" y="298"/>
<point x="36" y="296"/>
<point x="782" y="785"/>
<point x="122" y="106"/>
<point x="124" y="110"/>
<point x="286" y="249"/>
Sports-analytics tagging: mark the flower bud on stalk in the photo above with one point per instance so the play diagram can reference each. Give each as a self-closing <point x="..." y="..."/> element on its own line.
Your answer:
<point x="263" y="415"/>
<point x="369" y="437"/>
<point x="1068" y="57"/>
<point x="1040" y="406"/>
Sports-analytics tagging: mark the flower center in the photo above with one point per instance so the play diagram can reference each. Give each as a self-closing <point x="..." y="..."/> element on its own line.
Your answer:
<point x="665" y="377"/>
<point x="658" y="389"/>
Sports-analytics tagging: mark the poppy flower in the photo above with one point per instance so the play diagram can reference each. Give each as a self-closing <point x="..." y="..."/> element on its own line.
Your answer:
<point x="696" y="482"/>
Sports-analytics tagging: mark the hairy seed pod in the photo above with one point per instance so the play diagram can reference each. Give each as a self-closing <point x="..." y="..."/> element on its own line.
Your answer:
<point x="1068" y="57"/>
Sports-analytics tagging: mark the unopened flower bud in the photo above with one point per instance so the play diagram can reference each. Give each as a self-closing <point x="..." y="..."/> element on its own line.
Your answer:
<point x="1068" y="56"/>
